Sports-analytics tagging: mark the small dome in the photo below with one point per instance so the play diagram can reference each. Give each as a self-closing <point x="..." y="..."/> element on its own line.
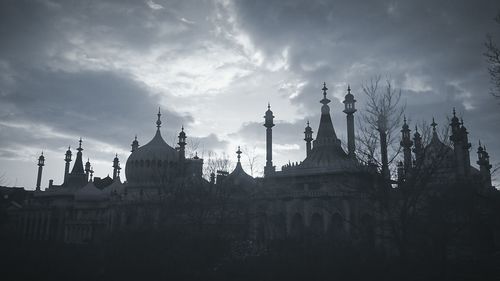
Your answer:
<point x="151" y="162"/>
<point x="89" y="193"/>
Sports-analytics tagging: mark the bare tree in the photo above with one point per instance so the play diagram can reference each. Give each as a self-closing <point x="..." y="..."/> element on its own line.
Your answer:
<point x="492" y="55"/>
<point x="252" y="159"/>
<point x="379" y="124"/>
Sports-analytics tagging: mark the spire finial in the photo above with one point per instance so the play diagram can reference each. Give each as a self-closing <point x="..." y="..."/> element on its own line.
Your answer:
<point x="80" y="145"/>
<point x="416" y="129"/>
<point x="348" y="88"/>
<point x="135" y="137"/>
<point x="239" y="153"/>
<point x="404" y="119"/>
<point x="269" y="105"/>
<point x="324" y="89"/>
<point x="454" y="112"/>
<point x="158" y="122"/>
<point x="433" y="124"/>
<point x="182" y="128"/>
<point x="307" y="123"/>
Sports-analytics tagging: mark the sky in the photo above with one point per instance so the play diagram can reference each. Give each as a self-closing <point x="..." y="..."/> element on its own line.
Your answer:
<point x="99" y="70"/>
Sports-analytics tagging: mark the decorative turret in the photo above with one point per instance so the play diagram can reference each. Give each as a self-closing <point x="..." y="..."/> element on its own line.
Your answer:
<point x="308" y="138"/>
<point x="182" y="144"/>
<point x="484" y="165"/>
<point x="406" y="143"/>
<point x="87" y="168"/>
<point x="461" y="146"/>
<point x="41" y="163"/>
<point x="116" y="167"/>
<point x="67" y="159"/>
<point x="349" y="110"/>
<point x="269" y="169"/>
<point x="419" y="147"/>
<point x="135" y="144"/>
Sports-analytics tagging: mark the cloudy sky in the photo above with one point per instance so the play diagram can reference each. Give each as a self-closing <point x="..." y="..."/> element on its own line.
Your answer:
<point x="100" y="69"/>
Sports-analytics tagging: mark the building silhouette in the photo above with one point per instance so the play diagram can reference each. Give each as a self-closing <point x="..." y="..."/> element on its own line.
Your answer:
<point x="329" y="195"/>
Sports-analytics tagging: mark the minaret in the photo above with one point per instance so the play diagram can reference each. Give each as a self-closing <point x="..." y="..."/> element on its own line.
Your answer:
<point x="135" y="144"/>
<point x="182" y="144"/>
<point x="87" y="169"/>
<point x="269" y="168"/>
<point x="349" y="110"/>
<point x="466" y="147"/>
<point x="91" y="173"/>
<point x="116" y="167"/>
<point x="484" y="165"/>
<point x="67" y="159"/>
<point x="419" y="148"/>
<point x="406" y="143"/>
<point x="308" y="138"/>
<point x="382" y="128"/>
<point x="460" y="146"/>
<point x="41" y="163"/>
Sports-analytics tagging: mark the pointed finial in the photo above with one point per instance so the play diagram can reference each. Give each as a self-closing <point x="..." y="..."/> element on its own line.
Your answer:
<point x="416" y="129"/>
<point x="461" y="121"/>
<point x="404" y="119"/>
<point x="307" y="123"/>
<point x="135" y="137"/>
<point x="80" y="142"/>
<point x="268" y="105"/>
<point x="239" y="153"/>
<point x="348" y="88"/>
<point x="182" y="128"/>
<point x="158" y="122"/>
<point x="479" y="143"/>
<point x="324" y="89"/>
<point x="454" y="112"/>
<point x="433" y="124"/>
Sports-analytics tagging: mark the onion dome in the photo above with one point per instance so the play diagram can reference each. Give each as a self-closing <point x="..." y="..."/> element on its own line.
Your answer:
<point x="238" y="177"/>
<point x="115" y="188"/>
<point x="152" y="162"/>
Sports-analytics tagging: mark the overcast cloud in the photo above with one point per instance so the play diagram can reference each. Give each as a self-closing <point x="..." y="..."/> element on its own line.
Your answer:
<point x="100" y="69"/>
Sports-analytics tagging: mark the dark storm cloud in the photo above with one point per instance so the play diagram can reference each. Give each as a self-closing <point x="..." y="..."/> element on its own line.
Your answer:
<point x="431" y="50"/>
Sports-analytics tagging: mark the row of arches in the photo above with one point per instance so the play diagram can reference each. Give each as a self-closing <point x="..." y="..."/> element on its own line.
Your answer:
<point x="336" y="226"/>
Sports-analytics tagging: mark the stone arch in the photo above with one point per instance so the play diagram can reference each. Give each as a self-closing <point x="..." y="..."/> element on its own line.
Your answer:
<point x="317" y="225"/>
<point x="279" y="226"/>
<point x="336" y="226"/>
<point x="297" y="226"/>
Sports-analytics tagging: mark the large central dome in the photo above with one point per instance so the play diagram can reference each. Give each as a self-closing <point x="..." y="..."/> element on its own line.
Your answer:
<point x="152" y="163"/>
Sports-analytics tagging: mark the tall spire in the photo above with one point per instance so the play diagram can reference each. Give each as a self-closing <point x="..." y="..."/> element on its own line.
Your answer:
<point x="326" y="133"/>
<point x="41" y="163"/>
<point x="308" y="138"/>
<point x="269" y="124"/>
<point x="349" y="110"/>
<point x="78" y="166"/>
